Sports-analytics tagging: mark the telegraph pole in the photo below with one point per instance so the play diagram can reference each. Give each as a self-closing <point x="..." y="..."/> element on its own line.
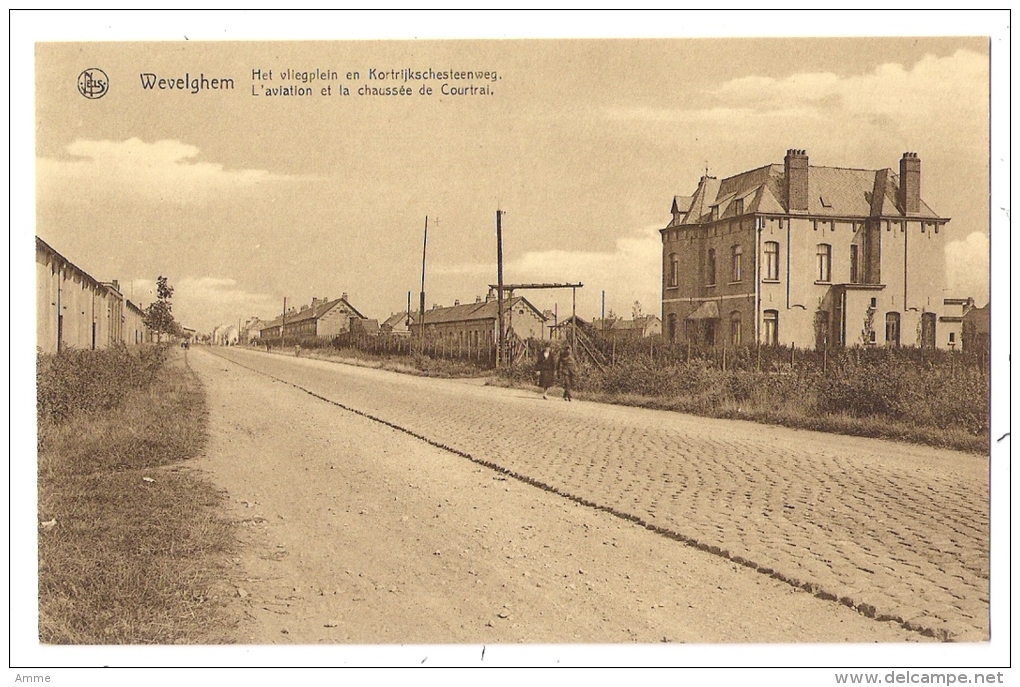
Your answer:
<point x="499" y="282"/>
<point x="421" y="294"/>
<point x="573" y="319"/>
<point x="283" y="324"/>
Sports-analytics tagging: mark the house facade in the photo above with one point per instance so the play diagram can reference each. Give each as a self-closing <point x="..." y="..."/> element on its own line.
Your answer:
<point x="475" y="325"/>
<point x="251" y="331"/>
<point x="807" y="256"/>
<point x="322" y="319"/>
<point x="226" y="335"/>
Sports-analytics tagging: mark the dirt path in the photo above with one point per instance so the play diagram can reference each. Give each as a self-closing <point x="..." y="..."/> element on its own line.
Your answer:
<point x="357" y="533"/>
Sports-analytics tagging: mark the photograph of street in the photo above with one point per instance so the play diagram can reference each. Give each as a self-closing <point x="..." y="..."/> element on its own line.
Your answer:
<point x="599" y="341"/>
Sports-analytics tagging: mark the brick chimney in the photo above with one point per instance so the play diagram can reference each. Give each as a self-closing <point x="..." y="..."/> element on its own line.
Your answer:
<point x="344" y="296"/>
<point x="796" y="168"/>
<point x="478" y="299"/>
<point x="909" y="195"/>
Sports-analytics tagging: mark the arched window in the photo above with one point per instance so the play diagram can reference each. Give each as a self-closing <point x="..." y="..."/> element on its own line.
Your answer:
<point x="824" y="273"/>
<point x="771" y="328"/>
<point x="735" y="328"/>
<point x="772" y="260"/>
<point x="674" y="269"/>
<point x="710" y="268"/>
<point x="892" y="329"/>
<point x="736" y="255"/>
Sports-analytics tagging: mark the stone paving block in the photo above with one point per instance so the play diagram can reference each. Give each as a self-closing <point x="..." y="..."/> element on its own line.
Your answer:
<point x="813" y="509"/>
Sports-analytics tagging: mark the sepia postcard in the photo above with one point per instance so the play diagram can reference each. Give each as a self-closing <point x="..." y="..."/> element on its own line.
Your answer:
<point x="444" y="344"/>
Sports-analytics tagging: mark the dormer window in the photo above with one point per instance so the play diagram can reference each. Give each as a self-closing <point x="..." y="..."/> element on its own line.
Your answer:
<point x="738" y="206"/>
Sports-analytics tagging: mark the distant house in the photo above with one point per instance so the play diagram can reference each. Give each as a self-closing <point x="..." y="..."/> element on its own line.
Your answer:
<point x="252" y="330"/>
<point x="476" y="324"/>
<point x="322" y="319"/>
<point x="561" y="330"/>
<point x="225" y="335"/>
<point x="637" y="328"/>
<point x="951" y="321"/>
<point x="364" y="326"/>
<point x="397" y="324"/>
<point x="977" y="329"/>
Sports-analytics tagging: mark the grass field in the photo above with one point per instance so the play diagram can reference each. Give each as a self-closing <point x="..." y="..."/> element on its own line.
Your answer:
<point x="874" y="393"/>
<point x="131" y="549"/>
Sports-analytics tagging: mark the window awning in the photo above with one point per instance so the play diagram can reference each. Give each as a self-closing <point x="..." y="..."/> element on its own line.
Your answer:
<point x="709" y="310"/>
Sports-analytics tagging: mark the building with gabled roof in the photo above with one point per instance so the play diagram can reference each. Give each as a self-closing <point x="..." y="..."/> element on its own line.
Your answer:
<point x="636" y="328"/>
<point x="477" y="324"/>
<point x="808" y="256"/>
<point x="563" y="328"/>
<point x="397" y="324"/>
<point x="322" y="319"/>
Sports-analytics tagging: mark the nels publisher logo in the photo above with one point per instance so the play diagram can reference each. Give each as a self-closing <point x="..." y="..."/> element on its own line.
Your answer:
<point x="93" y="83"/>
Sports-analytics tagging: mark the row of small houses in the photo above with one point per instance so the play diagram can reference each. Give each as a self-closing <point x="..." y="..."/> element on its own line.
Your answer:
<point x="474" y="326"/>
<point x="469" y="325"/>
<point x="75" y="310"/>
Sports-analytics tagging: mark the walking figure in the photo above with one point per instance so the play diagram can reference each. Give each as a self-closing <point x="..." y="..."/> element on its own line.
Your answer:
<point x="568" y="371"/>
<point x="546" y="367"/>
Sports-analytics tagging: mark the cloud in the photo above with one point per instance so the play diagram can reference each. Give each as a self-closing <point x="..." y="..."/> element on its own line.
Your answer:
<point x="166" y="171"/>
<point x="967" y="267"/>
<point x="937" y="97"/>
<point x="931" y="89"/>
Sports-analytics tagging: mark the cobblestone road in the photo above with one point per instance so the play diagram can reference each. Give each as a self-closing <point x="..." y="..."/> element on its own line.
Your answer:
<point x="896" y="531"/>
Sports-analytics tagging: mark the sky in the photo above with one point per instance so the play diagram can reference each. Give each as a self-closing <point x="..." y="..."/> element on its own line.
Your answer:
<point x="244" y="200"/>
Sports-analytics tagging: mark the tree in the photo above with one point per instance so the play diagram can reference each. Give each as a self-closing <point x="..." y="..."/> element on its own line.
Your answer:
<point x="159" y="317"/>
<point x="636" y="310"/>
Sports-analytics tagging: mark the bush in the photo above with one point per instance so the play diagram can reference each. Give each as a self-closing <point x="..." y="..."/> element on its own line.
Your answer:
<point x="938" y="397"/>
<point x="77" y="381"/>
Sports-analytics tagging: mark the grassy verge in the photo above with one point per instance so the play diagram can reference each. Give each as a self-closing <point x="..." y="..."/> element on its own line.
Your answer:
<point x="418" y="365"/>
<point x="130" y="544"/>
<point x="879" y="428"/>
<point x="889" y="399"/>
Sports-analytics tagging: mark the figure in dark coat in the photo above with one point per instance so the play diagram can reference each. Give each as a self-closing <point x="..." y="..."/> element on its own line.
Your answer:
<point x="546" y="367"/>
<point x="568" y="371"/>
